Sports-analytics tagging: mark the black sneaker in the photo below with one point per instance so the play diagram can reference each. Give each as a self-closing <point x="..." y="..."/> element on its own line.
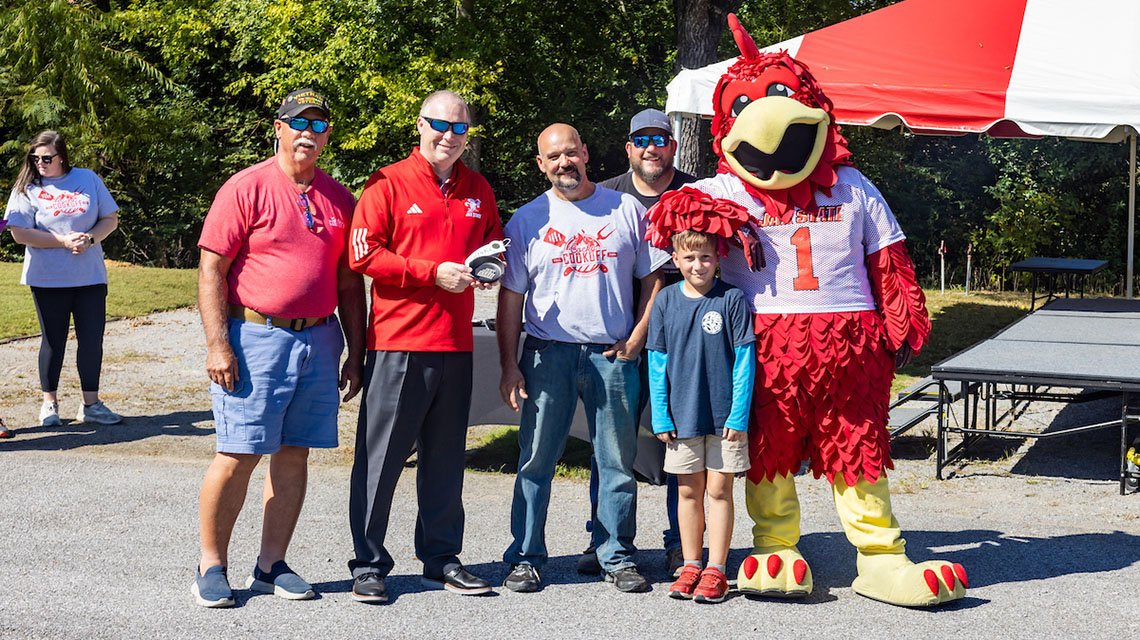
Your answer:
<point x="627" y="579"/>
<point x="369" y="587"/>
<point x="523" y="578"/>
<point x="588" y="562"/>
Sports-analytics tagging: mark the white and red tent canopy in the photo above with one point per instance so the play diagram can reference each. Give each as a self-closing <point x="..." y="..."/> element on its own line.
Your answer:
<point x="1008" y="68"/>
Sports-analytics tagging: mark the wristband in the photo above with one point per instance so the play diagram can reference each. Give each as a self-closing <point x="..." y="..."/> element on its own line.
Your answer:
<point x="91" y="239"/>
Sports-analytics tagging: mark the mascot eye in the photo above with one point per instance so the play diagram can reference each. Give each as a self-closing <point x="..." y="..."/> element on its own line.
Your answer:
<point x="739" y="104"/>
<point x="779" y="89"/>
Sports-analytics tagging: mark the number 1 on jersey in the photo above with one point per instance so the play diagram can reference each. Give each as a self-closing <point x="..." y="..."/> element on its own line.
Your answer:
<point x="805" y="280"/>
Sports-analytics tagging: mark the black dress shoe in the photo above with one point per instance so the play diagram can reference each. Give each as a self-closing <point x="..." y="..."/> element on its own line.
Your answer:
<point x="523" y="578"/>
<point x="369" y="587"/>
<point x="460" y="581"/>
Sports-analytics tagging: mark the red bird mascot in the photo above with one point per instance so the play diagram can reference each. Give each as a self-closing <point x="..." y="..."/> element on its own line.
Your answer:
<point x="837" y="307"/>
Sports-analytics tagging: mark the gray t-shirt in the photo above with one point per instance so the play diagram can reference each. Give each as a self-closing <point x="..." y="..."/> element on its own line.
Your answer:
<point x="72" y="202"/>
<point x="576" y="262"/>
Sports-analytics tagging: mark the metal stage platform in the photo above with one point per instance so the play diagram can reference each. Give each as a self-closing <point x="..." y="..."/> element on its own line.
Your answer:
<point x="1069" y="344"/>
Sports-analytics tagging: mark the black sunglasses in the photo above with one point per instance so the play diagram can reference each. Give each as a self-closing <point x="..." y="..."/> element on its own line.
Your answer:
<point x="298" y="123"/>
<point x="657" y="139"/>
<point x="306" y="212"/>
<point x="442" y="126"/>
<point x="46" y="159"/>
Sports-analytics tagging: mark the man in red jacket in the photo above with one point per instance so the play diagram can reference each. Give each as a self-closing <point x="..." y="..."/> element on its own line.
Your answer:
<point x="416" y="222"/>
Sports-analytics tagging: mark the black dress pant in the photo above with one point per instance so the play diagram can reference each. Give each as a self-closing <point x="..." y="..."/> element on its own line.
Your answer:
<point x="416" y="398"/>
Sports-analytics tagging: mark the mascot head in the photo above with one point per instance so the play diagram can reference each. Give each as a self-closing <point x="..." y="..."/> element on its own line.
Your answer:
<point x="773" y="128"/>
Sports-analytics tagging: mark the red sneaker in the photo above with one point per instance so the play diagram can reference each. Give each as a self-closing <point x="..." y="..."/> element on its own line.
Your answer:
<point x="712" y="588"/>
<point x="682" y="589"/>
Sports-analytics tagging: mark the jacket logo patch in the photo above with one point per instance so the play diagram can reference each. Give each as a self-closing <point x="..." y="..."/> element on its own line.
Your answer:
<point x="473" y="205"/>
<point x="415" y="208"/>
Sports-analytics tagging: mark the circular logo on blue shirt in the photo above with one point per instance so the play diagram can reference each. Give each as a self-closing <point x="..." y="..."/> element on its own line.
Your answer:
<point x="712" y="323"/>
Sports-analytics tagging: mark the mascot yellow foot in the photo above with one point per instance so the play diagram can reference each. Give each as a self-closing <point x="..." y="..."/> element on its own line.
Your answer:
<point x="775" y="569"/>
<point x="885" y="573"/>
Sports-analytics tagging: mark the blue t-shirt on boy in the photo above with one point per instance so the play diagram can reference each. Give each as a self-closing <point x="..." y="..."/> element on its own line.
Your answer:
<point x="701" y="361"/>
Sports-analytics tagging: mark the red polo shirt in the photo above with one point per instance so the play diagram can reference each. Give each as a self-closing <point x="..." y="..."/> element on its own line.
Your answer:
<point x="403" y="227"/>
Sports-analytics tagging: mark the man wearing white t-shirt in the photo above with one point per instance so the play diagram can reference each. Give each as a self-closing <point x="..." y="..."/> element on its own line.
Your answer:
<point x="573" y="255"/>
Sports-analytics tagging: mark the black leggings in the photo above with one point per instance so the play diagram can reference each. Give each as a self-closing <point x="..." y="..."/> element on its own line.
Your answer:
<point x="55" y="307"/>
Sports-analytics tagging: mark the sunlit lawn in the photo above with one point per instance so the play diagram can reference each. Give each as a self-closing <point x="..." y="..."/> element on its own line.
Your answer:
<point x="131" y="291"/>
<point x="960" y="321"/>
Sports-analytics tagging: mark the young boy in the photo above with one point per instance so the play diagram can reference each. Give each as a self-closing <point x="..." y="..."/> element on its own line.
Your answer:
<point x="701" y="366"/>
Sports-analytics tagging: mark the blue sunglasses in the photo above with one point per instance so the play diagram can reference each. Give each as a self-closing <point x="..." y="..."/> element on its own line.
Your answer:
<point x="442" y="126"/>
<point x="642" y="142"/>
<point x="300" y="124"/>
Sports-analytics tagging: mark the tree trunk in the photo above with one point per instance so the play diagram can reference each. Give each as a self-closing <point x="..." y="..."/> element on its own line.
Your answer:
<point x="700" y="24"/>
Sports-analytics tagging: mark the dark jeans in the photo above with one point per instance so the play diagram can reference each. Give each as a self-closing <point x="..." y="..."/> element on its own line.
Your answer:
<point x="55" y="307"/>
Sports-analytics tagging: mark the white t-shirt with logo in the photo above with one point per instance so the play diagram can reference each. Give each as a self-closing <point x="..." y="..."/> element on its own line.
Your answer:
<point x="576" y="262"/>
<point x="74" y="201"/>
<point x="815" y="263"/>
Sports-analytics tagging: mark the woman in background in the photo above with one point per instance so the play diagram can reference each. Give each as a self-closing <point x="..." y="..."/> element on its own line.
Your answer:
<point x="61" y="214"/>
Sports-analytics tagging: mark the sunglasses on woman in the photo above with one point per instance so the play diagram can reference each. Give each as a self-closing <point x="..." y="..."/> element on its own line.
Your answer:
<point x="442" y="126"/>
<point x="300" y="124"/>
<point x="45" y="159"/>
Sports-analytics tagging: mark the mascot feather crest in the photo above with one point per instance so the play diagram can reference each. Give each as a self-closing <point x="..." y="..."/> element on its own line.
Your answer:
<point x="784" y="150"/>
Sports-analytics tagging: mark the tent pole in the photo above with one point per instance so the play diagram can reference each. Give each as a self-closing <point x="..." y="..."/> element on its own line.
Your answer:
<point x="1131" y="209"/>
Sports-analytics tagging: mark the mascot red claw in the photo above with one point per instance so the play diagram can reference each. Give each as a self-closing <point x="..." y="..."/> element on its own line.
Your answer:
<point x="838" y="308"/>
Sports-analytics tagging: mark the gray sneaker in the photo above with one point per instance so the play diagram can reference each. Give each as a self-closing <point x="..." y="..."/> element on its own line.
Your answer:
<point x="97" y="413"/>
<point x="49" y="414"/>
<point x="212" y="589"/>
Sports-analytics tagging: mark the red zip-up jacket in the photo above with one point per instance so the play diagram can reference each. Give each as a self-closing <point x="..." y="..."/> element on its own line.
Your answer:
<point x="403" y="228"/>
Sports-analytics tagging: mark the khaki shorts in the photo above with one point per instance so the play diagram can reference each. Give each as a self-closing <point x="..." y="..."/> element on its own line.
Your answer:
<point x="712" y="453"/>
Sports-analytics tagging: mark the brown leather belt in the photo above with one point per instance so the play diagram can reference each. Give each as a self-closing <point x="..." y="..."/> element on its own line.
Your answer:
<point x="249" y="315"/>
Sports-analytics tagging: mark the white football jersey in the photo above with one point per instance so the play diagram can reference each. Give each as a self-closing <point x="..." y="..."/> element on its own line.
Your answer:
<point x="815" y="263"/>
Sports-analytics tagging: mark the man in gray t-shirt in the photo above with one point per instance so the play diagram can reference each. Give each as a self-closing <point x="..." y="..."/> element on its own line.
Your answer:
<point x="573" y="255"/>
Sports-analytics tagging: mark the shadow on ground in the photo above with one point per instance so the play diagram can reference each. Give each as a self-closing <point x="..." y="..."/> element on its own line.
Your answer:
<point x="1090" y="455"/>
<point x="73" y="435"/>
<point x="990" y="558"/>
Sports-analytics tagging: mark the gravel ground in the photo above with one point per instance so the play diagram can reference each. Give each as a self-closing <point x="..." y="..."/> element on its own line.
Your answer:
<point x="100" y="526"/>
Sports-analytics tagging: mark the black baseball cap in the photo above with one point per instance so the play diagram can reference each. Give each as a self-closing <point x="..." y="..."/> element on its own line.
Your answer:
<point x="302" y="99"/>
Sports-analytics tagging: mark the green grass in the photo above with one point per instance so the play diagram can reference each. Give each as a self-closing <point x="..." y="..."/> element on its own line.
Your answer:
<point x="498" y="452"/>
<point x="131" y="291"/>
<point x="959" y="322"/>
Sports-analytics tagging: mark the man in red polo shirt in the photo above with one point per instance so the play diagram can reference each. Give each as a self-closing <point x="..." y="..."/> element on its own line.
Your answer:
<point x="416" y="222"/>
<point x="273" y="268"/>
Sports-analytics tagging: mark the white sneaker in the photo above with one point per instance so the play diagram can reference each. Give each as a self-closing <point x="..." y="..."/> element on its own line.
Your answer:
<point x="97" y="413"/>
<point x="49" y="414"/>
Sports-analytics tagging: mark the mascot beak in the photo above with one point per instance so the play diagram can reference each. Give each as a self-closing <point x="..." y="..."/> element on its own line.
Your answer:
<point x="776" y="142"/>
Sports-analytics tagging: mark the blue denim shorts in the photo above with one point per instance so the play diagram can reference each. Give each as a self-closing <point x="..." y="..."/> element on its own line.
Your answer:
<point x="287" y="392"/>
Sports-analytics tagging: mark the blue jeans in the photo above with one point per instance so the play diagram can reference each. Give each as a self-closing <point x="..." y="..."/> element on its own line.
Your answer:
<point x="556" y="375"/>
<point x="670" y="537"/>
